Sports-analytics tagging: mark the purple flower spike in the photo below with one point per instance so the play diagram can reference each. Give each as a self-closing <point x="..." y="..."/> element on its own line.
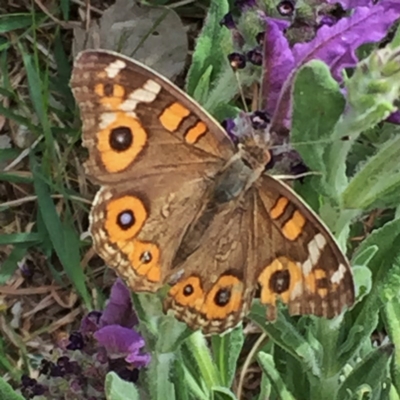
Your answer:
<point x="123" y="342"/>
<point x="349" y="4"/>
<point x="278" y="63"/>
<point x="119" y="308"/>
<point x="336" y="45"/>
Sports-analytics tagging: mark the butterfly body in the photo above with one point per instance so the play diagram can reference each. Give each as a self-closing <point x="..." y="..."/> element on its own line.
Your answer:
<point x="180" y="204"/>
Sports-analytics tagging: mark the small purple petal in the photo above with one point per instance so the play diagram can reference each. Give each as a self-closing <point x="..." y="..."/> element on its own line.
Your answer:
<point x="139" y="360"/>
<point x="119" y="307"/>
<point x="394" y="118"/>
<point x="228" y="21"/>
<point x="76" y="341"/>
<point x="328" y="20"/>
<point x="122" y="342"/>
<point x="90" y="322"/>
<point x="118" y="340"/>
<point x="348" y="4"/>
<point x="278" y="63"/>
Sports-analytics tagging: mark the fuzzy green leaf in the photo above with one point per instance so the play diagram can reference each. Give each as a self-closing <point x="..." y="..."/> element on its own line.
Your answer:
<point x="118" y="389"/>
<point x="371" y="370"/>
<point x="285" y="334"/>
<point x="226" y="351"/>
<point x="209" y="53"/>
<point x="377" y="183"/>
<point x="317" y="106"/>
<point x="267" y="364"/>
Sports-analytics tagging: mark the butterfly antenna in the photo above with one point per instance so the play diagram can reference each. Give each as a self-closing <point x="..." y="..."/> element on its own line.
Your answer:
<point x="240" y="88"/>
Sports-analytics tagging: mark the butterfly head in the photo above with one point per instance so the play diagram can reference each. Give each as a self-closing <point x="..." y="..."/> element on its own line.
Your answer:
<point x="254" y="152"/>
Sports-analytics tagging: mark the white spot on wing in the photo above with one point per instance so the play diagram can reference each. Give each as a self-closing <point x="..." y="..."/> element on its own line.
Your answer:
<point x="113" y="69"/>
<point x="315" y="247"/>
<point x="107" y="119"/>
<point x="339" y="274"/>
<point x="152" y="86"/>
<point x="146" y="94"/>
<point x="307" y="267"/>
<point x="297" y="291"/>
<point x="320" y="240"/>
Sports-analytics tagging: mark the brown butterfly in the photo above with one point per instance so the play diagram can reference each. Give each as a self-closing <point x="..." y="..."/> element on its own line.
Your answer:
<point x="179" y="204"/>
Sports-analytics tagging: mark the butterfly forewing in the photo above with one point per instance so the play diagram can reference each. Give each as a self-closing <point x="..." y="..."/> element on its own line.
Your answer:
<point x="136" y="122"/>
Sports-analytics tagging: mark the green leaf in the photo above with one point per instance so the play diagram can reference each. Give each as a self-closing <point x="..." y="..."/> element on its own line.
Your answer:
<point x="364" y="316"/>
<point x="371" y="370"/>
<point x="391" y="315"/>
<point x="11" y="22"/>
<point x="221" y="393"/>
<point x="266" y="362"/>
<point x="158" y="376"/>
<point x="197" y="345"/>
<point x="23" y="237"/>
<point x="209" y="52"/>
<point x="118" y="389"/>
<point x="7" y="392"/>
<point x="63" y="236"/>
<point x="377" y="183"/>
<point x="226" y="351"/>
<point x="8" y="267"/>
<point x="371" y="92"/>
<point x="317" y="106"/>
<point x="285" y="335"/>
<point x="178" y="378"/>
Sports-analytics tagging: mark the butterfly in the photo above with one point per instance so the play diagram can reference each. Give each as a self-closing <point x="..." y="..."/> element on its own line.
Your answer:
<point x="180" y="204"/>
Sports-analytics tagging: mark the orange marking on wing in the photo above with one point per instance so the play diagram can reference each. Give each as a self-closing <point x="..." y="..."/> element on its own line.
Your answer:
<point x="111" y="100"/>
<point x="268" y="295"/>
<point x="195" y="133"/>
<point x="172" y="116"/>
<point x="113" y="212"/>
<point x="188" y="293"/>
<point x="294" y="226"/>
<point x="145" y="260"/>
<point x="214" y="311"/>
<point x="116" y="161"/>
<point x="311" y="282"/>
<point x="279" y="208"/>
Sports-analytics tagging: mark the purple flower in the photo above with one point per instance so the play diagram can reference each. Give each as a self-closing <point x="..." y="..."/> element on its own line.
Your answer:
<point x="123" y="342"/>
<point x="278" y="64"/>
<point x="119" y="309"/>
<point x="335" y="45"/>
<point x="106" y="341"/>
<point x="113" y="328"/>
<point x="349" y="4"/>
